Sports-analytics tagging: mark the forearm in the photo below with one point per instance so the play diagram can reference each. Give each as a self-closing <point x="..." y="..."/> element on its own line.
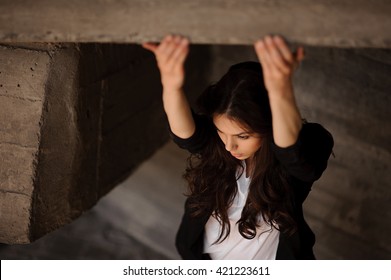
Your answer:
<point x="178" y="113"/>
<point x="278" y="64"/>
<point x="170" y="56"/>
<point x="286" y="118"/>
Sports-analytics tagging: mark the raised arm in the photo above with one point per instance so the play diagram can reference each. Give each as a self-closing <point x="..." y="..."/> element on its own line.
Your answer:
<point x="278" y="64"/>
<point x="170" y="55"/>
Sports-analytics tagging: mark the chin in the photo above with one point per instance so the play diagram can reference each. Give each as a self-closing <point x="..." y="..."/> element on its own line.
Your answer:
<point x="242" y="157"/>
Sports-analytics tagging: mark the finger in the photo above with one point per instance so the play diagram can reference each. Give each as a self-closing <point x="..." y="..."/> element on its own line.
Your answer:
<point x="164" y="43"/>
<point x="149" y="46"/>
<point x="300" y="54"/>
<point x="277" y="62"/>
<point x="298" y="57"/>
<point x="166" y="46"/>
<point x="155" y="47"/>
<point x="170" y="48"/>
<point x="179" y="55"/>
<point x="181" y="52"/>
<point x="283" y="49"/>
<point x="264" y="58"/>
<point x="260" y="49"/>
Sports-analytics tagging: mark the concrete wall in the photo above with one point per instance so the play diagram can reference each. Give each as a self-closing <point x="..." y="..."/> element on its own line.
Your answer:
<point x="75" y="120"/>
<point x="346" y="90"/>
<point x="23" y="75"/>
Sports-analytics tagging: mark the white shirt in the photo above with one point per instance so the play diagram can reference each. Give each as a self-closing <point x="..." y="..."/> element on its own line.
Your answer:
<point x="262" y="247"/>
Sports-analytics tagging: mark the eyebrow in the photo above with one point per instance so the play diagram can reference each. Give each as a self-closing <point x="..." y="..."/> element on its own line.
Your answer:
<point x="245" y="132"/>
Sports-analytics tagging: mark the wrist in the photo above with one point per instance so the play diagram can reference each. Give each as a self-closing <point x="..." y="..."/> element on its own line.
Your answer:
<point x="172" y="84"/>
<point x="172" y="90"/>
<point x="281" y="96"/>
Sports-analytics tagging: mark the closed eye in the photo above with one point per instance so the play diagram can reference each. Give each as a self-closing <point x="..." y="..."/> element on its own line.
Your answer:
<point x="241" y="136"/>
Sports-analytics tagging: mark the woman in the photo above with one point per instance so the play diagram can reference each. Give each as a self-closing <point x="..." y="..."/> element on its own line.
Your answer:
<point x="253" y="159"/>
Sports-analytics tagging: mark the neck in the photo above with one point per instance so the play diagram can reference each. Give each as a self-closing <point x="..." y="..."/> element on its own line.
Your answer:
<point x="249" y="166"/>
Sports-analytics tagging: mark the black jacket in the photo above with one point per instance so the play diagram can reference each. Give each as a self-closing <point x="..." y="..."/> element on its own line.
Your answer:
<point x="304" y="161"/>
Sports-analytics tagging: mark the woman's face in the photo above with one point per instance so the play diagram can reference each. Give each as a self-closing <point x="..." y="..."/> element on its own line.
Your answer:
<point x="241" y="143"/>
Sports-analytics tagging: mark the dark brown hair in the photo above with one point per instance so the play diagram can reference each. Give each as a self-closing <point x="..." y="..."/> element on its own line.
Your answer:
<point x="241" y="95"/>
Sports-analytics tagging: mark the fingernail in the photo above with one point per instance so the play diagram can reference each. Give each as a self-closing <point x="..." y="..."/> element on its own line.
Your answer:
<point x="277" y="38"/>
<point x="185" y="41"/>
<point x="259" y="44"/>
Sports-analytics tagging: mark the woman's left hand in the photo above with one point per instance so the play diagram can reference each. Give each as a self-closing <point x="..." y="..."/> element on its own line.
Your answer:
<point x="278" y="64"/>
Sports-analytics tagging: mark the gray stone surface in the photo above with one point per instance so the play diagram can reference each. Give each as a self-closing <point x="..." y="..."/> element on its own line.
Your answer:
<point x="137" y="220"/>
<point x="57" y="161"/>
<point x="338" y="23"/>
<point x="88" y="238"/>
<point x="348" y="91"/>
<point x="23" y="74"/>
<point x="15" y="217"/>
<point x="76" y="120"/>
<point x="91" y="132"/>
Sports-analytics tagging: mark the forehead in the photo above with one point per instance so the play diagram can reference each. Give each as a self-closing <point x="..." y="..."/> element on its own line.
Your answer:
<point x="229" y="126"/>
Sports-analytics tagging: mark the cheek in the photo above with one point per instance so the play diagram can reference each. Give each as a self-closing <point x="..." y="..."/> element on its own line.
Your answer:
<point x="254" y="145"/>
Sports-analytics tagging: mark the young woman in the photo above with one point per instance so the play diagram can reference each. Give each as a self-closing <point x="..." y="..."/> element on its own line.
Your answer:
<point x="253" y="159"/>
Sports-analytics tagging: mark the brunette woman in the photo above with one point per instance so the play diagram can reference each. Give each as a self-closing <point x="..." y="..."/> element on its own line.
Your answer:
<point x="253" y="159"/>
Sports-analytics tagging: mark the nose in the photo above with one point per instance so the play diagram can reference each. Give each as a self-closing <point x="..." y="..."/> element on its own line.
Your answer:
<point x="230" y="145"/>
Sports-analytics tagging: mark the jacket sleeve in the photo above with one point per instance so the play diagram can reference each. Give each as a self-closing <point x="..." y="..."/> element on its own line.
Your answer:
<point x="307" y="158"/>
<point x="195" y="143"/>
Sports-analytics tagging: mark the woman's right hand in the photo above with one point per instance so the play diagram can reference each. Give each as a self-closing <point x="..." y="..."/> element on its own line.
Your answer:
<point x="170" y="55"/>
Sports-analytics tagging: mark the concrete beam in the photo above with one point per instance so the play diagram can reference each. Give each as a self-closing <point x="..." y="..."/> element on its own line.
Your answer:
<point x="337" y="23"/>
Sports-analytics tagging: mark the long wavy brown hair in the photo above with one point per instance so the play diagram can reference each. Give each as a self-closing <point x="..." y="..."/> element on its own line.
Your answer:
<point x="212" y="174"/>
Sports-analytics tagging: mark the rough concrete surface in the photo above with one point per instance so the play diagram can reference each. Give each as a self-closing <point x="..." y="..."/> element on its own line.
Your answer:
<point x="57" y="164"/>
<point x="338" y="23"/>
<point x="76" y="120"/>
<point x="93" y="135"/>
<point x="15" y="217"/>
<point x="348" y="91"/>
<point x="124" y="224"/>
<point x="23" y="74"/>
